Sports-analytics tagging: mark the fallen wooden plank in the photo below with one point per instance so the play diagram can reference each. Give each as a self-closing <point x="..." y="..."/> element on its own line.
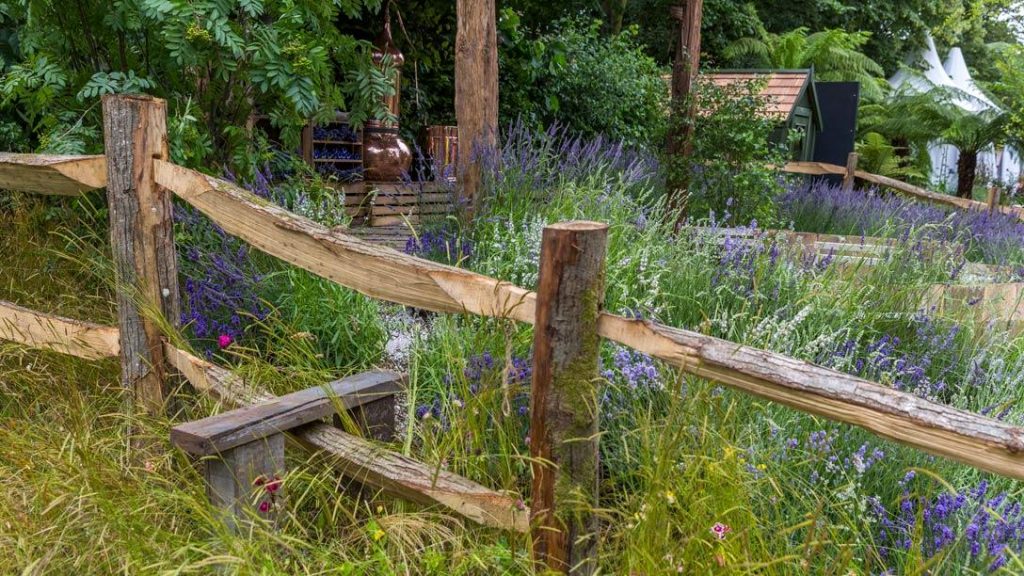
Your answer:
<point x="221" y="432"/>
<point x="376" y="271"/>
<point x="364" y="460"/>
<point x="64" y="335"/>
<point x="44" y="174"/>
<point x="975" y="440"/>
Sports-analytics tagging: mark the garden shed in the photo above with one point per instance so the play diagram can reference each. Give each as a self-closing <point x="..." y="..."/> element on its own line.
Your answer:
<point x="790" y="97"/>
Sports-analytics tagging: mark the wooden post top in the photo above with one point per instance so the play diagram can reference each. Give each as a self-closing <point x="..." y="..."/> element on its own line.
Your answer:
<point x="221" y="432"/>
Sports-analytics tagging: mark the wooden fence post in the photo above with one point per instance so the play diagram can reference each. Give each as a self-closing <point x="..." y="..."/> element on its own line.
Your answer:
<point x="142" y="237"/>
<point x="993" y="197"/>
<point x="851" y="172"/>
<point x="564" y="401"/>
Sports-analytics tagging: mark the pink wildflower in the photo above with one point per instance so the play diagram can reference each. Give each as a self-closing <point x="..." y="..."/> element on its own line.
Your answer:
<point x="720" y="530"/>
<point x="273" y="485"/>
<point x="224" y="341"/>
<point x="265" y="506"/>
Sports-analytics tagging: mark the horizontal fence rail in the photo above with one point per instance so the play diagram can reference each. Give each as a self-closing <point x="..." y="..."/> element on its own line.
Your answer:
<point x="60" y="175"/>
<point x="365" y="461"/>
<point x="387" y="274"/>
<point x="64" y="335"/>
<point x="823" y="169"/>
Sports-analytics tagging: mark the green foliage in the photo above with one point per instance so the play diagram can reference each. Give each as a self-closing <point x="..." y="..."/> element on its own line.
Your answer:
<point x="734" y="145"/>
<point x="222" y="60"/>
<point x="576" y="77"/>
<point x="835" y="55"/>
<point x="1010" y="89"/>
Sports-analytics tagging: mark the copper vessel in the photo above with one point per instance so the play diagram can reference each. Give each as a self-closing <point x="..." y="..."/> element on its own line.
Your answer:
<point x="386" y="157"/>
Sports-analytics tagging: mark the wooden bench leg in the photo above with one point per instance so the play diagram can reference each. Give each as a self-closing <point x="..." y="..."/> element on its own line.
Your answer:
<point x="376" y="419"/>
<point x="245" y="481"/>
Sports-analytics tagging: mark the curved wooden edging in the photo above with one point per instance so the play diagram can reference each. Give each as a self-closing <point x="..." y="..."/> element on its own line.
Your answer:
<point x="365" y="461"/>
<point x="64" y="335"/>
<point x="60" y="175"/>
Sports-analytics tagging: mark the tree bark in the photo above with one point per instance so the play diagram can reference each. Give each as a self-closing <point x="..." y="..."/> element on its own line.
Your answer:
<point x="966" y="169"/>
<point x="685" y="65"/>
<point x="142" y="238"/>
<point x="563" y="403"/>
<point x="476" y="93"/>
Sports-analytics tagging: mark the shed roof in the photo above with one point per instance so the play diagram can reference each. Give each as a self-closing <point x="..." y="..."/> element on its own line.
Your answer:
<point x="782" y="89"/>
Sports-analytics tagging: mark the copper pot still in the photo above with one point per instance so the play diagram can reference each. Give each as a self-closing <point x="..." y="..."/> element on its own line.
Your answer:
<point x="386" y="157"/>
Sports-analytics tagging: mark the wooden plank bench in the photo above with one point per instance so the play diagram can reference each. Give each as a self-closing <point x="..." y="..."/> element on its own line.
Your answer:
<point x="243" y="449"/>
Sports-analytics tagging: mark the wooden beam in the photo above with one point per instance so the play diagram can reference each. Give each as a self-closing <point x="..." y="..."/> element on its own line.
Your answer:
<point x="850" y="177"/>
<point x="220" y="432"/>
<point x="376" y="271"/>
<point x="142" y="241"/>
<point x="564" y="428"/>
<point x="476" y="91"/>
<point x="975" y="440"/>
<point x="64" y="335"/>
<point x="45" y="174"/>
<point x="365" y="461"/>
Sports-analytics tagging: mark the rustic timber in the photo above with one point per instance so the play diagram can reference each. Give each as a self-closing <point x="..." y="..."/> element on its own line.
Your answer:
<point x="685" y="64"/>
<point x="849" y="178"/>
<point x="142" y="239"/>
<point x="389" y="275"/>
<point x="221" y="432"/>
<point x="245" y="481"/>
<point x="376" y="271"/>
<point x="975" y="440"/>
<point x="365" y="461"/>
<point x="64" y="335"/>
<point x="564" y="427"/>
<point x="476" y="91"/>
<point x="994" y="192"/>
<point x="45" y="174"/>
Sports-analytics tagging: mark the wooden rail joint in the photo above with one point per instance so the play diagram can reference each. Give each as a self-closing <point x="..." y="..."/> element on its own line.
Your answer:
<point x="245" y="446"/>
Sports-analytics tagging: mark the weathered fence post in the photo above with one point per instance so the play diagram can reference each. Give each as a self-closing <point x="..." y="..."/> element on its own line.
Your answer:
<point x="564" y="401"/>
<point x="993" y="197"/>
<point x="142" y="237"/>
<point x="851" y="172"/>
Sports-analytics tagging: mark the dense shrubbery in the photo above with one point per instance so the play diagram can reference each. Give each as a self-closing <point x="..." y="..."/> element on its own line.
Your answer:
<point x="575" y="76"/>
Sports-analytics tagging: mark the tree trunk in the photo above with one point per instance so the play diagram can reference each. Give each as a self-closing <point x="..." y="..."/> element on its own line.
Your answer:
<point x="966" y="168"/>
<point x="688" y="13"/>
<point x="476" y="92"/>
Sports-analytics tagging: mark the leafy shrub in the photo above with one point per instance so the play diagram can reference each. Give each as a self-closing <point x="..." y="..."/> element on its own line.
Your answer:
<point x="729" y="172"/>
<point x="577" y="77"/>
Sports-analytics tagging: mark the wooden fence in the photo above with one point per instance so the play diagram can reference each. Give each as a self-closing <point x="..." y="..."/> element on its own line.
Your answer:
<point x="850" y="172"/>
<point x="140" y="182"/>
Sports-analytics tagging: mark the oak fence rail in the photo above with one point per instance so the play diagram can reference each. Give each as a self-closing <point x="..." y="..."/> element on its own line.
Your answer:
<point x="146" y="179"/>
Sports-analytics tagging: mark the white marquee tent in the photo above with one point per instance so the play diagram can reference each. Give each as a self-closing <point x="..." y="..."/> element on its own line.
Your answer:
<point x="927" y="72"/>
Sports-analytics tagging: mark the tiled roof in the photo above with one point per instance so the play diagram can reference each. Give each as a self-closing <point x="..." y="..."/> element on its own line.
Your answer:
<point x="782" y="88"/>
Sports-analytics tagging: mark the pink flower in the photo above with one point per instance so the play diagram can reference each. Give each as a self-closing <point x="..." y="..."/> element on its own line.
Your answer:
<point x="720" y="530"/>
<point x="265" y="506"/>
<point x="224" y="341"/>
<point x="273" y="485"/>
<point x="259" y="481"/>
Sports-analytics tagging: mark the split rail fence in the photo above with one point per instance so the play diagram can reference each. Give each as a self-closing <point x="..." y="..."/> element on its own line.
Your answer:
<point x="850" y="173"/>
<point x="566" y="312"/>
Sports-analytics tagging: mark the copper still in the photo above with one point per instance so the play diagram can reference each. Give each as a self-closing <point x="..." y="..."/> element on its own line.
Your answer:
<point x="386" y="157"/>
